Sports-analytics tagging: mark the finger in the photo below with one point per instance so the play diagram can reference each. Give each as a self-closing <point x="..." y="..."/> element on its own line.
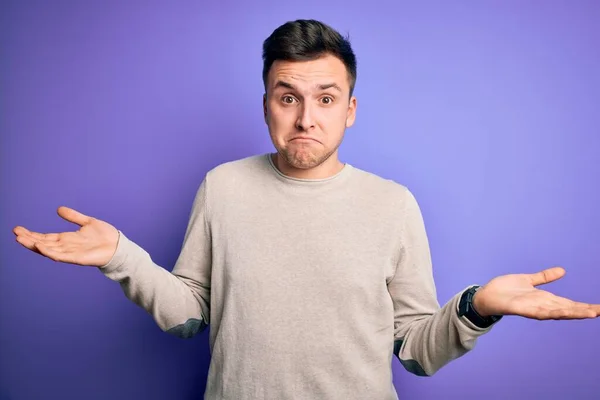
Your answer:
<point x="572" y="313"/>
<point x="34" y="245"/>
<point x="58" y="254"/>
<point x="546" y="276"/>
<point x="50" y="244"/>
<point x="73" y="216"/>
<point x="563" y="302"/>
<point x="19" y="230"/>
<point x="48" y="237"/>
<point x="562" y="308"/>
<point x="27" y="242"/>
<point x="593" y="308"/>
<point x="54" y="253"/>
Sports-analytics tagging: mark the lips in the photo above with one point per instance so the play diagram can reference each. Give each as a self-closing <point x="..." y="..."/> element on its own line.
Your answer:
<point x="304" y="139"/>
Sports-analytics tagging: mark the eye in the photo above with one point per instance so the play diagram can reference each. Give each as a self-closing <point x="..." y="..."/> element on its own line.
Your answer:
<point x="288" y="99"/>
<point x="327" y="100"/>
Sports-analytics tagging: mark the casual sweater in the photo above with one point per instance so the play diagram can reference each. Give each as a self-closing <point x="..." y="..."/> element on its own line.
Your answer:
<point x="309" y="287"/>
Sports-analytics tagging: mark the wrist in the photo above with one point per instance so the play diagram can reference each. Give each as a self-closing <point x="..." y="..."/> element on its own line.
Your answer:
<point x="467" y="309"/>
<point x="477" y="304"/>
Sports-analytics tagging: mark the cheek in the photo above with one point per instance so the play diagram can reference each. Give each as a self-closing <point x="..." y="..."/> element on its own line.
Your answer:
<point x="333" y="120"/>
<point x="279" y="116"/>
<point x="279" y="125"/>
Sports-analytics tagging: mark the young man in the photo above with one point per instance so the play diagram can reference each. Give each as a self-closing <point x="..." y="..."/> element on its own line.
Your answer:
<point x="311" y="273"/>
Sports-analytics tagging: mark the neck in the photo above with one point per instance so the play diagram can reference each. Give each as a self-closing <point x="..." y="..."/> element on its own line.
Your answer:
<point x="327" y="169"/>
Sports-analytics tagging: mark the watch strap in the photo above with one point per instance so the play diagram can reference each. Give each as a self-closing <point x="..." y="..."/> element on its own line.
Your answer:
<point x="466" y="309"/>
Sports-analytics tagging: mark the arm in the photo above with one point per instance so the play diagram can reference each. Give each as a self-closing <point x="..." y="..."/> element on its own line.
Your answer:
<point x="179" y="301"/>
<point x="426" y="336"/>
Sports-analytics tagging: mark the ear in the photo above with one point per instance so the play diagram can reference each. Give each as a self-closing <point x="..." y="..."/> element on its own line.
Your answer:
<point x="265" y="107"/>
<point x="351" y="115"/>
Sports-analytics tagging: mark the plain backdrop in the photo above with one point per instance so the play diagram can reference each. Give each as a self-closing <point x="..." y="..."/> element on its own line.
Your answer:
<point x="487" y="111"/>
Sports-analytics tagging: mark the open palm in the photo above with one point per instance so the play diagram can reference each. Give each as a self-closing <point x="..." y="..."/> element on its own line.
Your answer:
<point x="93" y="244"/>
<point x="516" y="294"/>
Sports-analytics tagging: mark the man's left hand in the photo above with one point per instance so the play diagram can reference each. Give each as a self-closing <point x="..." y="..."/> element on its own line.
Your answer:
<point x="516" y="294"/>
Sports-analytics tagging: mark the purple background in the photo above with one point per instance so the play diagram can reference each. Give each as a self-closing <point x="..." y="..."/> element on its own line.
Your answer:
<point x="488" y="111"/>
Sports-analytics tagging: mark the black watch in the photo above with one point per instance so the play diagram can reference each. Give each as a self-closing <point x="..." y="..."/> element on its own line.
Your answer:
<point x="465" y="308"/>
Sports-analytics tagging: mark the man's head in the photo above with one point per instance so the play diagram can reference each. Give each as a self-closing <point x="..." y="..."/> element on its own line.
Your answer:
<point x="309" y="74"/>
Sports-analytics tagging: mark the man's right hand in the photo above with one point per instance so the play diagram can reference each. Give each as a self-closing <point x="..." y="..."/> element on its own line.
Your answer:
<point x="93" y="244"/>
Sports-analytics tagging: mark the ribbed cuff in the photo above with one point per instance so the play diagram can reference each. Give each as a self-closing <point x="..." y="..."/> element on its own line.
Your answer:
<point x="124" y="259"/>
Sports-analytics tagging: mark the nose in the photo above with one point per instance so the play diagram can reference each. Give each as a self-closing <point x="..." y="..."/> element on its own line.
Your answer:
<point x="306" y="118"/>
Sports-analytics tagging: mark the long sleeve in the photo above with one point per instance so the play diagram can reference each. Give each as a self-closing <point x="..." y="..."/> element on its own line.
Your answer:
<point x="426" y="336"/>
<point x="179" y="301"/>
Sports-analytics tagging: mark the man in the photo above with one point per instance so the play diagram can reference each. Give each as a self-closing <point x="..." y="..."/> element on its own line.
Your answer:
<point x="311" y="273"/>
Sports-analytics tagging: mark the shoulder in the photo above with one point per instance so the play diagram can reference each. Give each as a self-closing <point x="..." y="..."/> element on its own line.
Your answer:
<point x="231" y="176"/>
<point x="382" y="188"/>
<point x="240" y="167"/>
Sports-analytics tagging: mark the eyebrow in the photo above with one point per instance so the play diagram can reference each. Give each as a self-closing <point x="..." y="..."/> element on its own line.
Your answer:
<point x="324" y="86"/>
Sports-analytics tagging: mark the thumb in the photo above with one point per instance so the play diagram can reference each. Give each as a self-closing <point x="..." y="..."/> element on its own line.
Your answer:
<point x="73" y="216"/>
<point x="546" y="276"/>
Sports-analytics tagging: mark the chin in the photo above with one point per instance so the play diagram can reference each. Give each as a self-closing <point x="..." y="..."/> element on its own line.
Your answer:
<point x="304" y="160"/>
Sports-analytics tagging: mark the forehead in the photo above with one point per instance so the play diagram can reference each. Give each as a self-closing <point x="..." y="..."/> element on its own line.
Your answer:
<point x="307" y="74"/>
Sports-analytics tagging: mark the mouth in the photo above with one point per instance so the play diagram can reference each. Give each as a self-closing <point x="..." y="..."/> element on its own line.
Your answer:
<point x="304" y="139"/>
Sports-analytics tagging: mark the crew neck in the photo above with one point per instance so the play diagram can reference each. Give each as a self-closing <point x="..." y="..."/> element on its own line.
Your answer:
<point x="339" y="176"/>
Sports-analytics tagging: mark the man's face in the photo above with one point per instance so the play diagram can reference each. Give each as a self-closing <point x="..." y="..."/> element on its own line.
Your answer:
<point x="307" y="109"/>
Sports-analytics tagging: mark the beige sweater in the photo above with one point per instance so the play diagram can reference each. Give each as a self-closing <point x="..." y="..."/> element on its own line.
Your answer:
<point x="309" y="286"/>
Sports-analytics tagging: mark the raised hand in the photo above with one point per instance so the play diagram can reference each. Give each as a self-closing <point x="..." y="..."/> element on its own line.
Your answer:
<point x="516" y="294"/>
<point x="93" y="244"/>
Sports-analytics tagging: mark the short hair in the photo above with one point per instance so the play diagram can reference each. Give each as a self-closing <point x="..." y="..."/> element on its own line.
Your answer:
<point x="304" y="40"/>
